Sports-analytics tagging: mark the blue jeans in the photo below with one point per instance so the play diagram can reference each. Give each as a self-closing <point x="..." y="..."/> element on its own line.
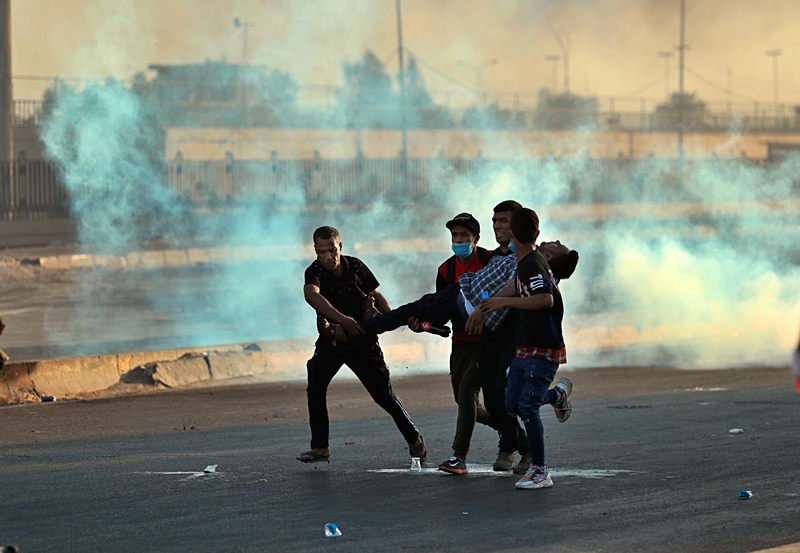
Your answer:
<point x="528" y="389"/>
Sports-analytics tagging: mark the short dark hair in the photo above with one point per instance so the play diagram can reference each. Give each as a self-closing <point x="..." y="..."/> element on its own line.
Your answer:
<point x="508" y="205"/>
<point x="564" y="265"/>
<point x="524" y="224"/>
<point x="326" y="233"/>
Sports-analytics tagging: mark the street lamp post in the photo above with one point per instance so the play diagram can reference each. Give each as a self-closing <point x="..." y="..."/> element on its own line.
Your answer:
<point x="682" y="47"/>
<point x="554" y="59"/>
<point x="775" y="96"/>
<point x="403" y="130"/>
<point x="244" y="25"/>
<point x="666" y="55"/>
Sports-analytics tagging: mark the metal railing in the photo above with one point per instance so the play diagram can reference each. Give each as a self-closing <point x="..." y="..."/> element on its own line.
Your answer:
<point x="33" y="189"/>
<point x="27" y="112"/>
<point x="30" y="112"/>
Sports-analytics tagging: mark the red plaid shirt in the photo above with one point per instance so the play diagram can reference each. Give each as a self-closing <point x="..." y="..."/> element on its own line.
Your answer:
<point x="553" y="355"/>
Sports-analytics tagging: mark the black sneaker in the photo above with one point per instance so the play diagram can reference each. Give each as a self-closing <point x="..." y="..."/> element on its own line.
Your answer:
<point x="454" y="465"/>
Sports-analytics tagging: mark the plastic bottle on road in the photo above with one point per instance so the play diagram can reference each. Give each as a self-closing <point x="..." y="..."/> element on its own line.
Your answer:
<point x="332" y="531"/>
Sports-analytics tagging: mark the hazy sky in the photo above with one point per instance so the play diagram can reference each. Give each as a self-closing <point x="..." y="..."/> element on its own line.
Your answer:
<point x="614" y="43"/>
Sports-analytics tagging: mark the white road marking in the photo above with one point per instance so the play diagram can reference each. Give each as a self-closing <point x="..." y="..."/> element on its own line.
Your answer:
<point x="189" y="474"/>
<point x="486" y="470"/>
<point x="18" y="311"/>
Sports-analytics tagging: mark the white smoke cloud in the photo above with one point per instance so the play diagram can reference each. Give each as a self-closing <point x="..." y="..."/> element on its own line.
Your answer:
<point x="711" y="286"/>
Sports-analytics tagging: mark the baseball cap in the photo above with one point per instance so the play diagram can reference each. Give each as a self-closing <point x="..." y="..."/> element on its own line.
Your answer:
<point x="466" y="220"/>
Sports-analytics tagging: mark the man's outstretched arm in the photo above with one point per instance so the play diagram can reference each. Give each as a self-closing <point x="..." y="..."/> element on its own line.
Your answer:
<point x="324" y="308"/>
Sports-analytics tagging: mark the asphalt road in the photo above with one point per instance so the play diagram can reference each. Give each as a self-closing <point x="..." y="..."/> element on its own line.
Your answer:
<point x="646" y="463"/>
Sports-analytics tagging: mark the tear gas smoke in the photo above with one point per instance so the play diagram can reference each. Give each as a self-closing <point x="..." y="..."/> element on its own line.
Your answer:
<point x="716" y="285"/>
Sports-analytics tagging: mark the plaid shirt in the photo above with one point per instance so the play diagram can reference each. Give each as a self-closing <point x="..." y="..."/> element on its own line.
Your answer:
<point x="554" y="355"/>
<point x="490" y="279"/>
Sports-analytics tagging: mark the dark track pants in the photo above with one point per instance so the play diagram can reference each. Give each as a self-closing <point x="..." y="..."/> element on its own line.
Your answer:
<point x="368" y="365"/>
<point x="494" y="357"/>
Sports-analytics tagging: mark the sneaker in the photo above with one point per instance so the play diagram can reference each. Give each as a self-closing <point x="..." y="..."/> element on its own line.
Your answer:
<point x="454" y="465"/>
<point x="418" y="449"/>
<point x="504" y="462"/>
<point x="523" y="465"/>
<point x="562" y="405"/>
<point x="536" y="477"/>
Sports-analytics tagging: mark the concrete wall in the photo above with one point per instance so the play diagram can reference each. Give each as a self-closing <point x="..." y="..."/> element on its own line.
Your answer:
<point x="259" y="143"/>
<point x="37" y="232"/>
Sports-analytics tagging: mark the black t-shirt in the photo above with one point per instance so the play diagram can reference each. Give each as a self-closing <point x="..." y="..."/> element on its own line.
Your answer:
<point x="345" y="293"/>
<point x="540" y="328"/>
<point x="501" y="253"/>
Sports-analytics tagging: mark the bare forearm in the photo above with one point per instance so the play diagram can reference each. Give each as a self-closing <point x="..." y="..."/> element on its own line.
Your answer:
<point x="323" y="307"/>
<point x="381" y="303"/>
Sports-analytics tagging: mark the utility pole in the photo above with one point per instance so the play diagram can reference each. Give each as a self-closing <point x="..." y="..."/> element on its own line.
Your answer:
<point x="404" y="150"/>
<point x="667" y="56"/>
<point x="681" y="96"/>
<point x="774" y="55"/>
<point x="565" y="45"/>
<point x="6" y="94"/>
<point x="554" y="59"/>
<point x="730" y="80"/>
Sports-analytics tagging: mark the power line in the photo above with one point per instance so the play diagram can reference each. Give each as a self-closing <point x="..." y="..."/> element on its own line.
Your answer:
<point x="442" y="74"/>
<point x="648" y="86"/>
<point x="718" y="87"/>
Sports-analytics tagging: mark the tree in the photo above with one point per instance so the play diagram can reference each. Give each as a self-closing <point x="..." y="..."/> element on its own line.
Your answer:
<point x="367" y="98"/>
<point x="421" y="111"/>
<point x="668" y="115"/>
<point x="565" y="111"/>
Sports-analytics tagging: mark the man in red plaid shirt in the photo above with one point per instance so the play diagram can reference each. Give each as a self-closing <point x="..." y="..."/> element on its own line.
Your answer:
<point x="540" y="345"/>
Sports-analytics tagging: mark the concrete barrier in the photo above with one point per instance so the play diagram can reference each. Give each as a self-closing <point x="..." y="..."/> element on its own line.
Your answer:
<point x="273" y="361"/>
<point x="187" y="370"/>
<point x="29" y="381"/>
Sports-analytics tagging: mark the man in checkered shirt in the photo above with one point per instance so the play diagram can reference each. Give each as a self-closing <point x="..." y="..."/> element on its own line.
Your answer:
<point x="457" y="300"/>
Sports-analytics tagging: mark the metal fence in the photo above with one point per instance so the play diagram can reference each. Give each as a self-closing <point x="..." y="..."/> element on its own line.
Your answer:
<point x="608" y="118"/>
<point x="33" y="189"/>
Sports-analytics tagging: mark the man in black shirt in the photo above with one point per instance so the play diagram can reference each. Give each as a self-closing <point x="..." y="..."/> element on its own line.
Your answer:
<point x="338" y="287"/>
<point x="539" y="342"/>
<point x="494" y="356"/>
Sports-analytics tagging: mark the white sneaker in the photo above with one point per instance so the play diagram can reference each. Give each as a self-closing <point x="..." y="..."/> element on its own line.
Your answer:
<point x="562" y="406"/>
<point x="536" y="477"/>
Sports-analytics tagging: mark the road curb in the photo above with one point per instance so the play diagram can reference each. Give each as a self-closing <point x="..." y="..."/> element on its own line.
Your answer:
<point x="134" y="372"/>
<point x="186" y="257"/>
